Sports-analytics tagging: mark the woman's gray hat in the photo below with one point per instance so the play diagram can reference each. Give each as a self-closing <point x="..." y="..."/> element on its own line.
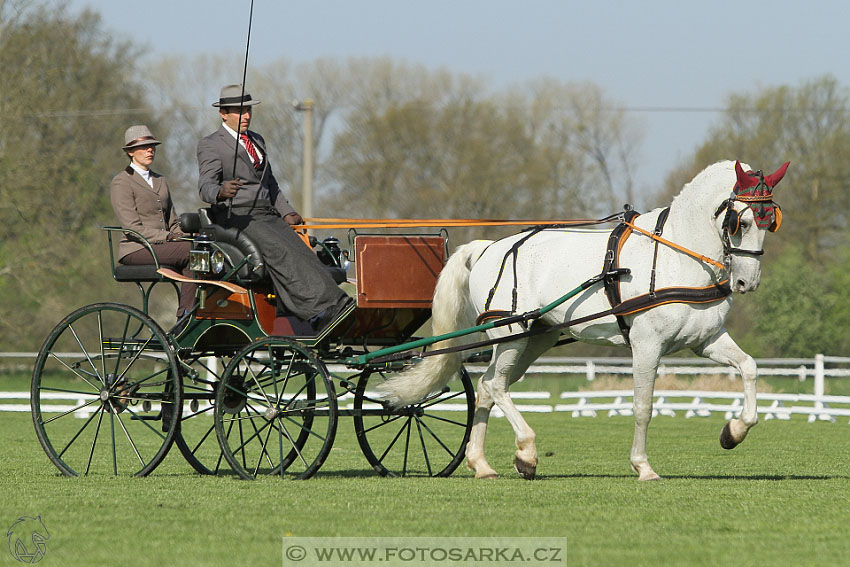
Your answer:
<point x="231" y="95"/>
<point x="138" y="135"/>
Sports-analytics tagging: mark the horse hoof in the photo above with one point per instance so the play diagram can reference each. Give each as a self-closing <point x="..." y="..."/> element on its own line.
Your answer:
<point x="488" y="476"/>
<point x="650" y="478"/>
<point x="726" y="440"/>
<point x="526" y="470"/>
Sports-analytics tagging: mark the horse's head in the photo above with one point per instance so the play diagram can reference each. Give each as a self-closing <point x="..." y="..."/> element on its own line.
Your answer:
<point x="750" y="213"/>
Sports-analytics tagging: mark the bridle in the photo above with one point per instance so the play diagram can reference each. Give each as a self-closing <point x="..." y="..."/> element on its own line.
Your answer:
<point x="759" y="198"/>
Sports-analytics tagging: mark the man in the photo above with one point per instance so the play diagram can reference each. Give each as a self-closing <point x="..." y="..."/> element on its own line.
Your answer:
<point x="246" y="196"/>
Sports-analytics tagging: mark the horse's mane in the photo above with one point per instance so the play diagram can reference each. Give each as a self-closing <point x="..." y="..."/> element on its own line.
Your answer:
<point x="709" y="188"/>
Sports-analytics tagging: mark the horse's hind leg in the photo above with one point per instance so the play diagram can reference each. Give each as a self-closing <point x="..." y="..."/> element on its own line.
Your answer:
<point x="510" y="361"/>
<point x="525" y="459"/>
<point x="722" y="349"/>
<point x="475" y="460"/>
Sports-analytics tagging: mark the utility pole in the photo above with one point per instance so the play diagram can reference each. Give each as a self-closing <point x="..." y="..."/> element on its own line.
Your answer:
<point x="306" y="106"/>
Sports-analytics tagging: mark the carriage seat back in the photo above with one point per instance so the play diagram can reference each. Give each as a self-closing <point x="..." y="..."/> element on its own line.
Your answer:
<point x="235" y="244"/>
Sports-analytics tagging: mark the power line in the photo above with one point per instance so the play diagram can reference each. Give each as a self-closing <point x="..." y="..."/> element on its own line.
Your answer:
<point x="637" y="109"/>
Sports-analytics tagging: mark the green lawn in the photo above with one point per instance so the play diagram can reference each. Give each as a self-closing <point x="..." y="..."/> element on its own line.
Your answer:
<point x="781" y="498"/>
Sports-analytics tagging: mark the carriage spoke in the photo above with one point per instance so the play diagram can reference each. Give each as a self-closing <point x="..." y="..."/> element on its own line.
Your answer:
<point x="130" y="439"/>
<point x="257" y="434"/>
<point x="391" y="449"/>
<point x="444" y="419"/>
<point x="144" y="379"/>
<point x="307" y="430"/>
<point x="244" y="442"/>
<point x="424" y="448"/>
<point x="94" y="441"/>
<point x="421" y="423"/>
<point x="280" y="425"/>
<point x="393" y="442"/>
<point x="197" y="413"/>
<point x="204" y="438"/>
<point x="145" y="422"/>
<point x="406" y="449"/>
<point x="78" y="433"/>
<point x="74" y="370"/>
<point x="84" y="351"/>
<point x="64" y="391"/>
<point x="278" y="385"/>
<point x="439" y="400"/>
<point x="141" y="382"/>
<point x="112" y="439"/>
<point x="132" y="362"/>
<point x="72" y="410"/>
<point x="263" y="452"/>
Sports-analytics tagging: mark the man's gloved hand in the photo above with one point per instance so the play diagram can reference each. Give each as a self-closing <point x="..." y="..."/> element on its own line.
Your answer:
<point x="293" y="218"/>
<point x="229" y="189"/>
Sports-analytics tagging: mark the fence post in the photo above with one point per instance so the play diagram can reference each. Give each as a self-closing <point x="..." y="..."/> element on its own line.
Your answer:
<point x="591" y="371"/>
<point x="818" y="385"/>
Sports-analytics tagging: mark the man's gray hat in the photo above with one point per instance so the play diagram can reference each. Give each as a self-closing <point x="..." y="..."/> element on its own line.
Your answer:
<point x="231" y="95"/>
<point x="138" y="135"/>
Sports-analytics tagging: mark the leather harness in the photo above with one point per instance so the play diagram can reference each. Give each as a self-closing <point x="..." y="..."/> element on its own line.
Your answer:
<point x="610" y="278"/>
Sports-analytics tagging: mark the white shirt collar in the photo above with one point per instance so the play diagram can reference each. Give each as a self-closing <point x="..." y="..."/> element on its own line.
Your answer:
<point x="145" y="173"/>
<point x="241" y="142"/>
<point x="229" y="129"/>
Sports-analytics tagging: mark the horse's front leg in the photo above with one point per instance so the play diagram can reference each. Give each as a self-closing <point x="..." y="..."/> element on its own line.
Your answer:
<point x="644" y="368"/>
<point x="722" y="349"/>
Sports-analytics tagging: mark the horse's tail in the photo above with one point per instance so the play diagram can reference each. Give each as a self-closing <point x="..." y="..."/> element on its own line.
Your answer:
<point x="451" y="310"/>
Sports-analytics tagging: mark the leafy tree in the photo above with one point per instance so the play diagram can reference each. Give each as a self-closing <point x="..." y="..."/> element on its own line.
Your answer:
<point x="798" y="309"/>
<point x="456" y="151"/>
<point x="808" y="125"/>
<point x="57" y="156"/>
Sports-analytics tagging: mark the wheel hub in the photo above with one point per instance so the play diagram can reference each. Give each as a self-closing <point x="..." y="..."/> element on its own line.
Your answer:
<point x="234" y="398"/>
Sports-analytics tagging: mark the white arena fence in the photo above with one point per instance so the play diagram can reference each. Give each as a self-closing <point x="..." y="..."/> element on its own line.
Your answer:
<point x="592" y="403"/>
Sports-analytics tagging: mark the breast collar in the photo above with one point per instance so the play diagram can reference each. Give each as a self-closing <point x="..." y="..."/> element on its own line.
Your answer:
<point x="654" y="297"/>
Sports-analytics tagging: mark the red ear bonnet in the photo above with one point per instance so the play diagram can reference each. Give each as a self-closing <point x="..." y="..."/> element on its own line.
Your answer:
<point x="777" y="176"/>
<point x="745" y="181"/>
<point x="758" y="196"/>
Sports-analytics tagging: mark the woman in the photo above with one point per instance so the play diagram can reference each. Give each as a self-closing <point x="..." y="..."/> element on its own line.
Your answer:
<point x="142" y="203"/>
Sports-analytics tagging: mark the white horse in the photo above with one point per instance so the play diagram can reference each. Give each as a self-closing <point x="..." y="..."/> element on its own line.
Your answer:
<point x="721" y="214"/>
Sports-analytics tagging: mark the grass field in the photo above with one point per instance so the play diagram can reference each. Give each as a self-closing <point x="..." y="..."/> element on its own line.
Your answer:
<point x="781" y="498"/>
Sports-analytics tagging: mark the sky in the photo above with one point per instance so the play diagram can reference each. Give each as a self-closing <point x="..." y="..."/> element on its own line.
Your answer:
<point x="672" y="63"/>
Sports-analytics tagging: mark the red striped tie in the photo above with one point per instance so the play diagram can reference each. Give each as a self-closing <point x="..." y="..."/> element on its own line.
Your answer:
<point x="252" y="151"/>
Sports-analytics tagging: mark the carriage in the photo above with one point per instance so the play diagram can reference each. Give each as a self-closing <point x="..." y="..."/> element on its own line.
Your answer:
<point x="275" y="394"/>
<point x="239" y="386"/>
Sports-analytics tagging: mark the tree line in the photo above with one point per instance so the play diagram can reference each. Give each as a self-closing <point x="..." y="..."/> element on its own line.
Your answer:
<point x="393" y="139"/>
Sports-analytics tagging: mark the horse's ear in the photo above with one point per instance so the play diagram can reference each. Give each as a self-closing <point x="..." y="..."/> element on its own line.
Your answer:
<point x="745" y="181"/>
<point x="776" y="176"/>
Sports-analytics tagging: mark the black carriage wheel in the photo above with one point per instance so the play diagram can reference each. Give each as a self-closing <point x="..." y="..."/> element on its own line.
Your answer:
<point x="106" y="394"/>
<point x="196" y="436"/>
<point x="275" y="410"/>
<point x="424" y="439"/>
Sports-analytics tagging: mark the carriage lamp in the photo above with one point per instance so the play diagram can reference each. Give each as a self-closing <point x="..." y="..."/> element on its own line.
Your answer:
<point x="330" y="253"/>
<point x="202" y="257"/>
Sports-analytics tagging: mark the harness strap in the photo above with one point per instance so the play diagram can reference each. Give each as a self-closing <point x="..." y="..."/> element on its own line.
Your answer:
<point x="513" y="251"/>
<point x="675" y="246"/>
<point x="611" y="281"/>
<point x="707" y="294"/>
<point x="659" y="230"/>
<point x="492" y="314"/>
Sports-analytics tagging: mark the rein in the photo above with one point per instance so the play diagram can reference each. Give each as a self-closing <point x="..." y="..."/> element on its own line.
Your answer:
<point x="675" y="246"/>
